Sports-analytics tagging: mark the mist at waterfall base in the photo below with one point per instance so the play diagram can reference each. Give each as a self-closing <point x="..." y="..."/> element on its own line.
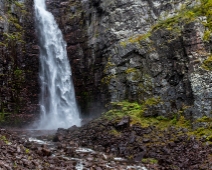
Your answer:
<point x="57" y="98"/>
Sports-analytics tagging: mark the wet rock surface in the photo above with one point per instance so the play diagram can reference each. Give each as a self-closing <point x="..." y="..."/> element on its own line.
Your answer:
<point x="19" y="151"/>
<point x="105" y="144"/>
<point x="172" y="147"/>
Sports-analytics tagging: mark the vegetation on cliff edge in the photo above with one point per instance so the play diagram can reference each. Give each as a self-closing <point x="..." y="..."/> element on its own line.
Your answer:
<point x="185" y="15"/>
<point x="136" y="113"/>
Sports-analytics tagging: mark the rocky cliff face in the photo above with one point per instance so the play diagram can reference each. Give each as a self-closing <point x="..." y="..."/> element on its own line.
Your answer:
<point x="18" y="58"/>
<point x="138" y="50"/>
<point x="134" y="50"/>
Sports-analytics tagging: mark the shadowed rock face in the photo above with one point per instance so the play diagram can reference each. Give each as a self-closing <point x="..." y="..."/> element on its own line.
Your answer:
<point x="115" y="58"/>
<point x="18" y="58"/>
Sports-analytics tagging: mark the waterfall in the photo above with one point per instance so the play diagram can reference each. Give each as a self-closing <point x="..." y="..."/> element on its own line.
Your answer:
<point x="57" y="100"/>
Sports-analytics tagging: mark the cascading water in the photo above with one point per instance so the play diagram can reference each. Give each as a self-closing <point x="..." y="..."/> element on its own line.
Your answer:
<point x="57" y="101"/>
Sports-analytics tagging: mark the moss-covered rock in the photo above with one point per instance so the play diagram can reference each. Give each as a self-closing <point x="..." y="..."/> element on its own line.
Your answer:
<point x="207" y="64"/>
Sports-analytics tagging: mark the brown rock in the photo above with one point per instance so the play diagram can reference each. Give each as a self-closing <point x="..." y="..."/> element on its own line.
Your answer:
<point x="46" y="152"/>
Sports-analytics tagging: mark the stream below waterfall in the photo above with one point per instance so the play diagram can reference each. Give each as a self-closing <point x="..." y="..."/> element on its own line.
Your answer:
<point x="81" y="158"/>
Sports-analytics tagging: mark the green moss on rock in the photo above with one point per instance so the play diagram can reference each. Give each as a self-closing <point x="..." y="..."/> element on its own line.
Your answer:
<point x="136" y="39"/>
<point x="115" y="132"/>
<point x="207" y="64"/>
<point x="206" y="35"/>
<point x="107" y="79"/>
<point x="4" y="139"/>
<point x="134" y="110"/>
<point x="204" y="119"/>
<point x="149" y="161"/>
<point x="209" y="138"/>
<point x="130" y="70"/>
<point x="186" y="14"/>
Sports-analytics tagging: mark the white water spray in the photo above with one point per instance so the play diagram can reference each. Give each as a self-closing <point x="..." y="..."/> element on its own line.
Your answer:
<point x="57" y="102"/>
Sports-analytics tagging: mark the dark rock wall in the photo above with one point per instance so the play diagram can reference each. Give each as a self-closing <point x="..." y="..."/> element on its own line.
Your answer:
<point x="112" y="62"/>
<point x="18" y="58"/>
<point x="114" y="57"/>
<point x="166" y="65"/>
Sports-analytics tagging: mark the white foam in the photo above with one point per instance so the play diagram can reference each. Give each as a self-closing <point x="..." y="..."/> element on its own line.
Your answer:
<point x="57" y="102"/>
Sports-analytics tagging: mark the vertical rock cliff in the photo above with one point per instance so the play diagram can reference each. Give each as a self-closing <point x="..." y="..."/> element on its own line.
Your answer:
<point x="139" y="50"/>
<point x="18" y="58"/>
<point x="134" y="50"/>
